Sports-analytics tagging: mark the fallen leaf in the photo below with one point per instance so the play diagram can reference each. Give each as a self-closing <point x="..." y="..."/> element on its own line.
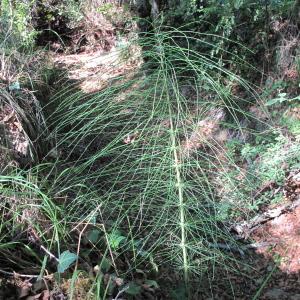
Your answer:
<point x="24" y="289"/>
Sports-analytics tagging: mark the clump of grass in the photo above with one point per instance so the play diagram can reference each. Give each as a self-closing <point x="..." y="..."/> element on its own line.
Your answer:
<point x="22" y="70"/>
<point x="25" y="112"/>
<point x="29" y="221"/>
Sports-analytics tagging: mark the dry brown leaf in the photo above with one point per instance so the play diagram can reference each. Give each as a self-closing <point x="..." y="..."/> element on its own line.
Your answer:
<point x="24" y="289"/>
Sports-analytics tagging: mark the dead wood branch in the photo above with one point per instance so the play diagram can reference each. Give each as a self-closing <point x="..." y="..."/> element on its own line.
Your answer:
<point x="244" y="229"/>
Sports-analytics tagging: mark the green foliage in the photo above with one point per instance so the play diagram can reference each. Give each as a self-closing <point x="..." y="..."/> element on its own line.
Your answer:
<point x="281" y="98"/>
<point x="133" y="289"/>
<point x="253" y="44"/>
<point x="262" y="162"/>
<point x="65" y="260"/>
<point x="275" y="158"/>
<point x="105" y="8"/>
<point x="250" y="152"/>
<point x="293" y="125"/>
<point x="70" y="9"/>
<point x="59" y="16"/>
<point x="269" y="163"/>
<point x="115" y="239"/>
<point x="116" y="15"/>
<point x="94" y="236"/>
<point x="23" y="202"/>
<point x="125" y="163"/>
<point x="16" y="20"/>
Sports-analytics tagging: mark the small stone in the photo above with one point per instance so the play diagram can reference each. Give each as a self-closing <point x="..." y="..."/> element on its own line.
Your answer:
<point x="96" y="269"/>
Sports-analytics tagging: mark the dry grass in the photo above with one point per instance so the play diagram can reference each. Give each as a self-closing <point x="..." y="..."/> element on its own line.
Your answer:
<point x="288" y="49"/>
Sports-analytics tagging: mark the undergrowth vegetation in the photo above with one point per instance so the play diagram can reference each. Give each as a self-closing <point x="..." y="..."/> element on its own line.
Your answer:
<point x="133" y="190"/>
<point x="142" y="155"/>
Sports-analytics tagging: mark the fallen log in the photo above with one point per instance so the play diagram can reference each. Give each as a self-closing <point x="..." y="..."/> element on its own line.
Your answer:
<point x="244" y="229"/>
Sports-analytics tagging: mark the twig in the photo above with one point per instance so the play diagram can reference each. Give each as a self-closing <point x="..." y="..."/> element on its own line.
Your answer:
<point x="14" y="274"/>
<point x="267" y="186"/>
<point x="121" y="292"/>
<point x="108" y="246"/>
<point x="49" y="253"/>
<point x="79" y="243"/>
<point x="80" y="236"/>
<point x="241" y="249"/>
<point x="244" y="229"/>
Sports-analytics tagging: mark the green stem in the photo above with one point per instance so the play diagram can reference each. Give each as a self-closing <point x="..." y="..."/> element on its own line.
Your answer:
<point x="181" y="202"/>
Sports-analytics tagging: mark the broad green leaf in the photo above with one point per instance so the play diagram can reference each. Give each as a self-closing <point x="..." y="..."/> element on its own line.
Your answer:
<point x="152" y="283"/>
<point x="179" y="293"/>
<point x="237" y="4"/>
<point x="133" y="289"/>
<point x="105" y="265"/>
<point x="94" y="236"/>
<point x="65" y="260"/>
<point x="272" y="101"/>
<point x="15" y="86"/>
<point x="115" y="239"/>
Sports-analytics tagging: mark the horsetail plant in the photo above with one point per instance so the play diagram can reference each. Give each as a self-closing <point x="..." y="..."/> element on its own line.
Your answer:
<point x="145" y="149"/>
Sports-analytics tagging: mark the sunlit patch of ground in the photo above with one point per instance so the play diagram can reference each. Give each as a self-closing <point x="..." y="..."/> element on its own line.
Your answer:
<point x="282" y="235"/>
<point x="96" y="70"/>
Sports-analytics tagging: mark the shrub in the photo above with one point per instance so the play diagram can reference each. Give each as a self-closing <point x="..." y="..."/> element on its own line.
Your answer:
<point x="16" y="24"/>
